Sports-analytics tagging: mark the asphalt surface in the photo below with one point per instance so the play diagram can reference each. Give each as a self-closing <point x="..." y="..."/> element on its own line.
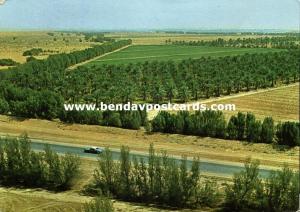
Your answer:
<point x="213" y="168"/>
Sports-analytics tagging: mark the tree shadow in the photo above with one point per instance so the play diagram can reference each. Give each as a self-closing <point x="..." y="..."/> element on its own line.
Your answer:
<point x="15" y="118"/>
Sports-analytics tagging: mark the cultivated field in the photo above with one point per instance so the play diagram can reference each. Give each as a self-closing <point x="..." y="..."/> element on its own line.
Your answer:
<point x="281" y="103"/>
<point x="13" y="44"/>
<point x="142" y="53"/>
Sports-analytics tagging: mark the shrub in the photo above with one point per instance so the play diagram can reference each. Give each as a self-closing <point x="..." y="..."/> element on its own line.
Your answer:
<point x="19" y="165"/>
<point x="281" y="191"/>
<point x="33" y="52"/>
<point x="4" y="106"/>
<point x="242" y="194"/>
<point x="163" y="181"/>
<point x="288" y="134"/>
<point x="99" y="204"/>
<point x="278" y="192"/>
<point x="267" y="130"/>
<point x="7" y="62"/>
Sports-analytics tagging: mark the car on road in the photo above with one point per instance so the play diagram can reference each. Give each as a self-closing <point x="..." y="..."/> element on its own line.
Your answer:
<point x="93" y="150"/>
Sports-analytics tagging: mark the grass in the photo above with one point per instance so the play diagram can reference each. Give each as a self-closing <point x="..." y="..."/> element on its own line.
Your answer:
<point x="142" y="53"/>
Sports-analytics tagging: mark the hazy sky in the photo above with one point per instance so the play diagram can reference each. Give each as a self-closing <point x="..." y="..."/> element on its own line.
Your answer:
<point x="149" y="14"/>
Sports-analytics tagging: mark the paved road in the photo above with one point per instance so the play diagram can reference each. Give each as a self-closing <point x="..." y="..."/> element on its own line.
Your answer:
<point x="213" y="168"/>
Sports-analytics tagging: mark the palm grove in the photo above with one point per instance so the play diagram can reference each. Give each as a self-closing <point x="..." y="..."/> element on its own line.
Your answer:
<point x="39" y="88"/>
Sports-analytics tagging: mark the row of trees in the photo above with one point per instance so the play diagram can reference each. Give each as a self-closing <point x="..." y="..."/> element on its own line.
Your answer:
<point x="50" y="73"/>
<point x="8" y="62"/>
<point x="154" y="81"/>
<point x="161" y="180"/>
<point x="158" y="180"/>
<point x="281" y="42"/>
<point x="46" y="104"/>
<point x="33" y="52"/>
<point x="240" y="127"/>
<point x="28" y="103"/>
<point x="20" y="166"/>
<point x="32" y="90"/>
<point x="123" y="119"/>
<point x="181" y="81"/>
<point x="278" y="192"/>
<point x="97" y="37"/>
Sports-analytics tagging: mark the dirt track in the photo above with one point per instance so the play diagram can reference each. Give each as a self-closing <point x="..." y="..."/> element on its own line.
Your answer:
<point x="96" y="58"/>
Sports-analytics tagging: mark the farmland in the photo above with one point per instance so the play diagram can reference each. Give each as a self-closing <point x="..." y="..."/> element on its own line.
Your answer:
<point x="13" y="44"/>
<point x="264" y="102"/>
<point x="282" y="104"/>
<point x="142" y="53"/>
<point x="149" y="106"/>
<point x="36" y="90"/>
<point x="159" y="38"/>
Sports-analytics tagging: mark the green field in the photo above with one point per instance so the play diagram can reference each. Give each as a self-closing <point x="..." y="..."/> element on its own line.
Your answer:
<point x="142" y="53"/>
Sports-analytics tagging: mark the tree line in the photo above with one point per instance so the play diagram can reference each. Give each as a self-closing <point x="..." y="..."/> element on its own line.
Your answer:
<point x="8" y="62"/>
<point x="158" y="81"/>
<point x="123" y="119"/>
<point x="181" y="81"/>
<point x="21" y="166"/>
<point x="243" y="127"/>
<point x="31" y="90"/>
<point x="33" y="52"/>
<point x="50" y="73"/>
<point x="96" y="37"/>
<point x="160" y="180"/>
<point x="47" y="104"/>
<point x="280" y="42"/>
<point x="278" y="192"/>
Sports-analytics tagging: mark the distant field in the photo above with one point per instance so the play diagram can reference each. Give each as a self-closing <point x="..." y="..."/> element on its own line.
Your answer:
<point x="13" y="44"/>
<point x="158" y="38"/>
<point x="142" y="53"/>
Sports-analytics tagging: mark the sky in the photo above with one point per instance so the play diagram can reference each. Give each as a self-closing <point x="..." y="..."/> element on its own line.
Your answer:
<point x="149" y="14"/>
